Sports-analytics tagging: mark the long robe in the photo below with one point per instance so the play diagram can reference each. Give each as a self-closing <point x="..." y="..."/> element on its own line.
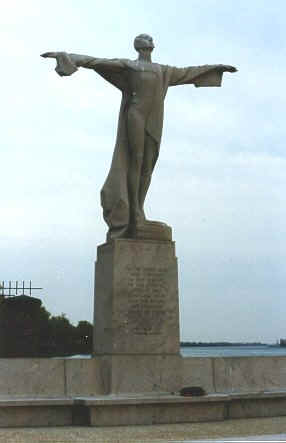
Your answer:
<point x="114" y="194"/>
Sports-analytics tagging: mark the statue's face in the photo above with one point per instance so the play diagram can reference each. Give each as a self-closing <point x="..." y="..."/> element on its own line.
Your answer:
<point x="144" y="42"/>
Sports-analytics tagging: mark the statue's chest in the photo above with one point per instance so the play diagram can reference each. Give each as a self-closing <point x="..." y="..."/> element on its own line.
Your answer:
<point x="144" y="77"/>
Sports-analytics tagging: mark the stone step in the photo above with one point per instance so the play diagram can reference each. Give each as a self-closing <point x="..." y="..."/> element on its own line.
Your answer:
<point x="159" y="409"/>
<point x="138" y="409"/>
<point x="25" y="411"/>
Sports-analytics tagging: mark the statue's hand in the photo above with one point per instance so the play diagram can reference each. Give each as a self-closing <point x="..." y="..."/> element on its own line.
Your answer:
<point x="228" y="68"/>
<point x="65" y="65"/>
<point x="49" y="55"/>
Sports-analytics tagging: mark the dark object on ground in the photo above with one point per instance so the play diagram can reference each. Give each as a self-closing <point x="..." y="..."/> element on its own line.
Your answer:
<point x="192" y="391"/>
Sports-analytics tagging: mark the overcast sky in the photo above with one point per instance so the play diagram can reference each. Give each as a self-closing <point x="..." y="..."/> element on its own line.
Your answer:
<point x="220" y="180"/>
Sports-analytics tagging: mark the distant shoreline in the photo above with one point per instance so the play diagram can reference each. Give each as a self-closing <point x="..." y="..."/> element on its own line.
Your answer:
<point x="211" y="344"/>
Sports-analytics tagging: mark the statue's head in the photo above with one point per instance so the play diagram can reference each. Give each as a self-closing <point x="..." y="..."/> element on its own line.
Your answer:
<point x="143" y="41"/>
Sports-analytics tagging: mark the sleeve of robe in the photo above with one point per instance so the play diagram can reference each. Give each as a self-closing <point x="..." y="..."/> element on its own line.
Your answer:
<point x="67" y="64"/>
<point x="112" y="70"/>
<point x="206" y="75"/>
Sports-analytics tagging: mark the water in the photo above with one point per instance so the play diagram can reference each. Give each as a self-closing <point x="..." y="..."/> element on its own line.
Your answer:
<point x="224" y="351"/>
<point x="233" y="351"/>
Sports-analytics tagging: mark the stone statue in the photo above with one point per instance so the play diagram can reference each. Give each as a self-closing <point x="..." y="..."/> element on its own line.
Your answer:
<point x="144" y="85"/>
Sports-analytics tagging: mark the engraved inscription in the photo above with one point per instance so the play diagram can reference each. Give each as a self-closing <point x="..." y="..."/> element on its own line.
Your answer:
<point x="146" y="299"/>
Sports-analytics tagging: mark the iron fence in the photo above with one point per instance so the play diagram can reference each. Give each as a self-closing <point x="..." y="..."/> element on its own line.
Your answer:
<point x="10" y="289"/>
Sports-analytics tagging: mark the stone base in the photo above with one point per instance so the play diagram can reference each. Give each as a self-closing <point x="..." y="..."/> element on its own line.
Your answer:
<point x="136" y="298"/>
<point x="138" y="374"/>
<point x="136" y="334"/>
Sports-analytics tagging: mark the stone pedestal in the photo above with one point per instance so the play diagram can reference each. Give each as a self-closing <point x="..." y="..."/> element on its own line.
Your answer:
<point x="136" y="337"/>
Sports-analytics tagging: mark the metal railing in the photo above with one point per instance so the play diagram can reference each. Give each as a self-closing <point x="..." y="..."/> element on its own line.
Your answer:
<point x="8" y="289"/>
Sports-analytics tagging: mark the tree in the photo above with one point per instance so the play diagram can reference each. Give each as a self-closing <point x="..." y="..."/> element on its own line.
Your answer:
<point x="84" y="333"/>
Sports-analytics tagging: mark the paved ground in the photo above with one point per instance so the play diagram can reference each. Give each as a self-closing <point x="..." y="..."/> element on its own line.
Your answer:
<point x="253" y="438"/>
<point x="216" y="431"/>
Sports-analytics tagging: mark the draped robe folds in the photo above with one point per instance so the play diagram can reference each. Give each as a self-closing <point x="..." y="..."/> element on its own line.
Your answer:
<point x="114" y="194"/>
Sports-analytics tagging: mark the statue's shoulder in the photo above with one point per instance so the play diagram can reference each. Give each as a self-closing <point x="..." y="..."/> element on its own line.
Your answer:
<point x="158" y="66"/>
<point x="128" y="63"/>
<point x="166" y="67"/>
<point x="116" y="61"/>
<point x="163" y="69"/>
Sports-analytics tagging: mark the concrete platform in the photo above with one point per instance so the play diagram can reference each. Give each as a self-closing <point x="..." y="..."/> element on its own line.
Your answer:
<point x="62" y="392"/>
<point x="244" y="429"/>
<point x="60" y="377"/>
<point x="114" y="410"/>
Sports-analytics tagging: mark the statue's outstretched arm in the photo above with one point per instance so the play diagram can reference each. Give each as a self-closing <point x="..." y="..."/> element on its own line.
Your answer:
<point x="206" y="75"/>
<point x="67" y="64"/>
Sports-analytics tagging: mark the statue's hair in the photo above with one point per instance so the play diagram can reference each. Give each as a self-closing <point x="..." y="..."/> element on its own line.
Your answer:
<point x="143" y="41"/>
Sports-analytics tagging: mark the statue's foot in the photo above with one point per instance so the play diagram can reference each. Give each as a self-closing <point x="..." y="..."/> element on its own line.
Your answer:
<point x="140" y="219"/>
<point x="151" y="230"/>
<point x="154" y="222"/>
